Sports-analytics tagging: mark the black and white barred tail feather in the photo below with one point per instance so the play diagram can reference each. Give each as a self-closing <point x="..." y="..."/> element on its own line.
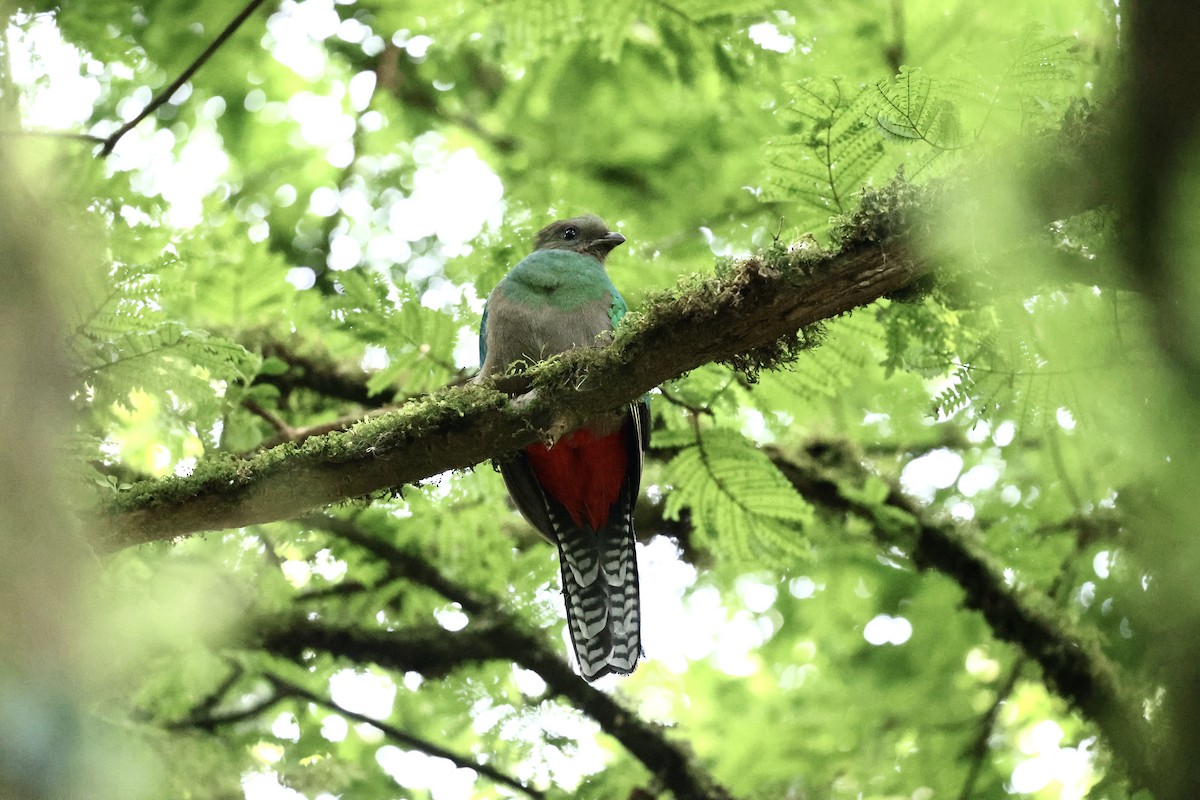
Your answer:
<point x="600" y="591"/>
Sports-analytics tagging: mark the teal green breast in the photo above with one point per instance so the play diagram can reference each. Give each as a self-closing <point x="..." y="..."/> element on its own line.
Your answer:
<point x="558" y="278"/>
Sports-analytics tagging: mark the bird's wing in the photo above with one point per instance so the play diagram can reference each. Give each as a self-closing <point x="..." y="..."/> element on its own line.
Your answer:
<point x="483" y="337"/>
<point x="527" y="494"/>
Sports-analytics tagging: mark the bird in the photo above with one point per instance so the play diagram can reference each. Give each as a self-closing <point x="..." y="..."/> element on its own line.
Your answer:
<point x="578" y="492"/>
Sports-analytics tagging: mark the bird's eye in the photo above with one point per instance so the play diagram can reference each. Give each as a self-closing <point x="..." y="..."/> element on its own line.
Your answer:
<point x="570" y="233"/>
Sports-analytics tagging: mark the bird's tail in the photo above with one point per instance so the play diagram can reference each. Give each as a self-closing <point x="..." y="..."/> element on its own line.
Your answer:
<point x="600" y="588"/>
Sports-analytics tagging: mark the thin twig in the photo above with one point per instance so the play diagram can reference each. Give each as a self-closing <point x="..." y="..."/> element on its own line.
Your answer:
<point x="979" y="747"/>
<point x="402" y="564"/>
<point x="91" y="138"/>
<point x="298" y="435"/>
<point x="894" y="52"/>
<point x="214" y="698"/>
<point x="415" y="742"/>
<point x="165" y="94"/>
<point x="344" y="589"/>
<point x="285" y="431"/>
<point x="326" y="279"/>
<point x="695" y="410"/>
<point x="210" y="722"/>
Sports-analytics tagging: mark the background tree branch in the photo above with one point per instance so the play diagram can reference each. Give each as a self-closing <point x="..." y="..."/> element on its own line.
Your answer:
<point x="1076" y="669"/>
<point x="492" y="634"/>
<point x="166" y="92"/>
<point x="289" y="689"/>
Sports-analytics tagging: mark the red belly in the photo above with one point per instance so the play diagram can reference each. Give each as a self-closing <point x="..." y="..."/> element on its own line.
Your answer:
<point x="583" y="473"/>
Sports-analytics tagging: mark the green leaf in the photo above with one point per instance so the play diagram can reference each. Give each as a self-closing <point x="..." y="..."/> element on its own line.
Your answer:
<point x="739" y="501"/>
<point x="834" y="149"/>
<point x="913" y="110"/>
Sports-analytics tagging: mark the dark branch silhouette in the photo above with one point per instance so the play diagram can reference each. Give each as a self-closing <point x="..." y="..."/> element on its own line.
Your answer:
<point x="1074" y="669"/>
<point x="287" y="689"/>
<point x="165" y="94"/>
<point x="204" y="717"/>
<point x="490" y="635"/>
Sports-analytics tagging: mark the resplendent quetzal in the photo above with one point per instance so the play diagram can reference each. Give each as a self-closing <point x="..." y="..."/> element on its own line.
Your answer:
<point x="580" y="491"/>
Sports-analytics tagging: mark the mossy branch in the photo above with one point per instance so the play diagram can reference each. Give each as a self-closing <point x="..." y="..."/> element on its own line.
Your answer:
<point x="749" y="314"/>
<point x="754" y="314"/>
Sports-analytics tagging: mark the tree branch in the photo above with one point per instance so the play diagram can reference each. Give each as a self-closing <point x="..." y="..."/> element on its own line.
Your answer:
<point x="728" y="318"/>
<point x="202" y="717"/>
<point x="978" y="749"/>
<point x="977" y="752"/>
<point x="435" y="652"/>
<point x="289" y="689"/>
<point x="284" y="431"/>
<point x="165" y="94"/>
<point x="1073" y="668"/>
<point x="491" y="635"/>
<point x="747" y="316"/>
<point x="401" y="564"/>
<point x="87" y="138"/>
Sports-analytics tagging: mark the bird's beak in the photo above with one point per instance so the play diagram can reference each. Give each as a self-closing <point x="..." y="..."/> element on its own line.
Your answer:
<point x="609" y="240"/>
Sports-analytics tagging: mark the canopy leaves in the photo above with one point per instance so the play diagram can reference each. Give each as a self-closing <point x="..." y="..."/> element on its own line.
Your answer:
<point x="912" y="292"/>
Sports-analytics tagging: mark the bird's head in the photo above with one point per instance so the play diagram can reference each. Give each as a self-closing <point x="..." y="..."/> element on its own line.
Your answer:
<point x="587" y="234"/>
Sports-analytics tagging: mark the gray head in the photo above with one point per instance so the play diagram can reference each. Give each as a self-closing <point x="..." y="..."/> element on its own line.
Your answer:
<point x="587" y="234"/>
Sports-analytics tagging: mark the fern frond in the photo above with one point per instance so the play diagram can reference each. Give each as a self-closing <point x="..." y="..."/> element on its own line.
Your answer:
<point x="1037" y="360"/>
<point x="704" y="10"/>
<point x="913" y="109"/>
<point x="687" y="29"/>
<point x="532" y="29"/>
<point x="419" y="341"/>
<point x="741" y="505"/>
<point x="921" y="337"/>
<point x="833" y="150"/>
<point x="126" y="343"/>
<point x="1034" y="67"/>
<point x="1037" y="58"/>
<point x="850" y="345"/>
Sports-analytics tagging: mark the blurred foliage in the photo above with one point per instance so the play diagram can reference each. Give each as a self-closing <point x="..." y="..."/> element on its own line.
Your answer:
<point x="336" y="190"/>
